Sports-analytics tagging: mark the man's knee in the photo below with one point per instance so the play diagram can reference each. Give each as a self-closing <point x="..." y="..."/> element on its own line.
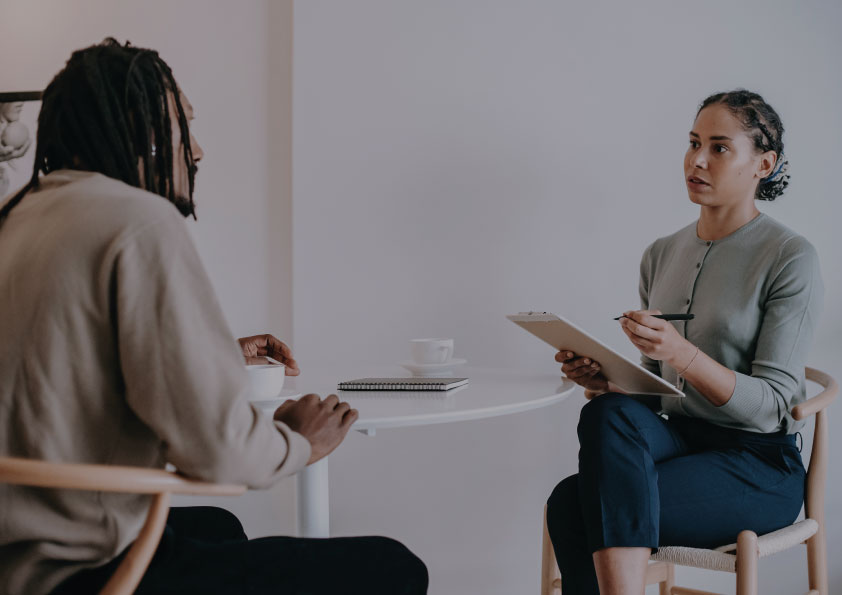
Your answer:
<point x="409" y="570"/>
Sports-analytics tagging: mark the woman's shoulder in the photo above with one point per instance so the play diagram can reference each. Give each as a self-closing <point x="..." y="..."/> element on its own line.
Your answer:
<point x="787" y="242"/>
<point x="669" y="242"/>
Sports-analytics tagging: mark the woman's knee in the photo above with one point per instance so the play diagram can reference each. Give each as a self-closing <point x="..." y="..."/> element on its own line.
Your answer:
<point x="563" y="509"/>
<point x="607" y="409"/>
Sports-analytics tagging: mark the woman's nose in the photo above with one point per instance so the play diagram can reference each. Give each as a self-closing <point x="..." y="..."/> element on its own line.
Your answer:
<point x="699" y="159"/>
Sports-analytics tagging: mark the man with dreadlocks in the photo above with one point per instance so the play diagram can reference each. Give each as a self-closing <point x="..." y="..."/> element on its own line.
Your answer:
<point x="103" y="302"/>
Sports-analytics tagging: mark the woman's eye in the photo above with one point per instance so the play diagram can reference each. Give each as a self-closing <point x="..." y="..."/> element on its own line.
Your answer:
<point x="720" y="148"/>
<point x="694" y="144"/>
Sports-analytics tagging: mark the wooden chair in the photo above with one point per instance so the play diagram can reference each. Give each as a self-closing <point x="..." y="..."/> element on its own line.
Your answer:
<point x="741" y="557"/>
<point x="110" y="478"/>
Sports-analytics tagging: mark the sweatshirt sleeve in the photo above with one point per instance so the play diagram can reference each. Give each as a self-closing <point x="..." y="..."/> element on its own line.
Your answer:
<point x="643" y="289"/>
<point x="184" y="374"/>
<point x="762" y="398"/>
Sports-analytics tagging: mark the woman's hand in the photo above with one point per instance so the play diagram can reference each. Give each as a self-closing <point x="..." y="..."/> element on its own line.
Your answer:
<point x="583" y="371"/>
<point x="657" y="338"/>
<point x="257" y="348"/>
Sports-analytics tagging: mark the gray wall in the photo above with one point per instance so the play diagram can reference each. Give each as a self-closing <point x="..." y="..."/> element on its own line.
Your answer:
<point x="455" y="161"/>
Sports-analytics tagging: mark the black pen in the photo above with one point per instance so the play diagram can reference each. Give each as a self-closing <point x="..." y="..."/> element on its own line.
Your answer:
<point x="667" y="316"/>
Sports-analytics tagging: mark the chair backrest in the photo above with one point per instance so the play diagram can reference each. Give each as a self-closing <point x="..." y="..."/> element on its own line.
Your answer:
<point x="111" y="478"/>
<point x="817" y="470"/>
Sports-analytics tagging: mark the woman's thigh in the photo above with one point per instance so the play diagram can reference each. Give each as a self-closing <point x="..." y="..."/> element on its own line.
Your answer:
<point x="707" y="498"/>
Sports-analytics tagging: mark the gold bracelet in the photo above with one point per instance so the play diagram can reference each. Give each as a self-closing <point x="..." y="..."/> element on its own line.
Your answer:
<point x="692" y="359"/>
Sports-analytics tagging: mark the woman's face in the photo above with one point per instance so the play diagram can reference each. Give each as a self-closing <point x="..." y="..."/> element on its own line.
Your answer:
<point x="722" y="166"/>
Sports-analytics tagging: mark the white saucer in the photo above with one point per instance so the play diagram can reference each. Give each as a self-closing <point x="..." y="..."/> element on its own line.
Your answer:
<point x="274" y="402"/>
<point x="434" y="370"/>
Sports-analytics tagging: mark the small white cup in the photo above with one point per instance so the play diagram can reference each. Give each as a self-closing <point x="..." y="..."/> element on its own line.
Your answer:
<point x="431" y="351"/>
<point x="266" y="380"/>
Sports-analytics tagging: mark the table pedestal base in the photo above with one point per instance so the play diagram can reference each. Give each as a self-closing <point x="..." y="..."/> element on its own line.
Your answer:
<point x="314" y="501"/>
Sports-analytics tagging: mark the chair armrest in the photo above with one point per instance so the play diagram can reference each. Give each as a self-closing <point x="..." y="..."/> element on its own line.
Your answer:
<point x="107" y="478"/>
<point x="821" y="400"/>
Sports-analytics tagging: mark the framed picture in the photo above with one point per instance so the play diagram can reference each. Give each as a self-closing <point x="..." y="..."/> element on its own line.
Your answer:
<point x="18" y="123"/>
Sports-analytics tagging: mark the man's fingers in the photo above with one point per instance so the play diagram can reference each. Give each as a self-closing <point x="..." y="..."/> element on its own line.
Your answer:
<point x="331" y="402"/>
<point x="280" y="348"/>
<point x="349" y="417"/>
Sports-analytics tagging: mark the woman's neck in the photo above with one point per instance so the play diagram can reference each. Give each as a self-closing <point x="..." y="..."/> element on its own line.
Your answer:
<point x="717" y="222"/>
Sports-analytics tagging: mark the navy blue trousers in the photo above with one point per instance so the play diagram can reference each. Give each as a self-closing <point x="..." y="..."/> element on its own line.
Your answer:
<point x="646" y="481"/>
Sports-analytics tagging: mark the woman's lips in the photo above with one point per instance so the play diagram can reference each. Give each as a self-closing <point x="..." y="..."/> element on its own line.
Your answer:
<point x="697" y="183"/>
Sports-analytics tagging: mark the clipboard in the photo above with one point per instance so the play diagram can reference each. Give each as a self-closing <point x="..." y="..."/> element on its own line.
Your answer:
<point x="617" y="368"/>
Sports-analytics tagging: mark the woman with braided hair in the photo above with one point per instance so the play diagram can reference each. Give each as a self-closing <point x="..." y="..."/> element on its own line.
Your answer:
<point x="697" y="470"/>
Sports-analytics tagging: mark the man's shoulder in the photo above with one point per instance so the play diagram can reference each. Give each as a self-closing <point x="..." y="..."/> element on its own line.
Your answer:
<point x="105" y="207"/>
<point x="98" y="193"/>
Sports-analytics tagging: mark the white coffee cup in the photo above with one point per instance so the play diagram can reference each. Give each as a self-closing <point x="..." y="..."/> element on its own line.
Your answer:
<point x="431" y="351"/>
<point x="265" y="380"/>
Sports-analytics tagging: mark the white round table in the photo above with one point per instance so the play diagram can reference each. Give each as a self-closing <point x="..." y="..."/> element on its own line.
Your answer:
<point x="491" y="392"/>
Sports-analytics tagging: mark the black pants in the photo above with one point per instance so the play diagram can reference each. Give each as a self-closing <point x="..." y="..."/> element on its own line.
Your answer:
<point x="204" y="550"/>
<point x="645" y="481"/>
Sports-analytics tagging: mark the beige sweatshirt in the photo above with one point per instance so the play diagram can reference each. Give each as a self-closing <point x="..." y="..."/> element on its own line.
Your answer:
<point x="114" y="350"/>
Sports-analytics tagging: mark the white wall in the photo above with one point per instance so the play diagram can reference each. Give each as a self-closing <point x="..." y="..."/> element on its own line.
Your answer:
<point x="233" y="61"/>
<point x="455" y="161"/>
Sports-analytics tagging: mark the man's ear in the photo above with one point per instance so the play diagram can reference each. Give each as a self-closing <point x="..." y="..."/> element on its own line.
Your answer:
<point x="766" y="165"/>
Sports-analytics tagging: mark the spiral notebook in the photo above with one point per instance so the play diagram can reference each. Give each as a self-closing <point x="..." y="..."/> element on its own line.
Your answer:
<point x="402" y="383"/>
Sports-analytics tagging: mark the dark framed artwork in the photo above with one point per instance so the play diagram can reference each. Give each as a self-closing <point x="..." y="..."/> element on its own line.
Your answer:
<point x="18" y="123"/>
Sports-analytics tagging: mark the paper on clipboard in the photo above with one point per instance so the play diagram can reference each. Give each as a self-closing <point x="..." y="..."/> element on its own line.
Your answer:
<point x="618" y="369"/>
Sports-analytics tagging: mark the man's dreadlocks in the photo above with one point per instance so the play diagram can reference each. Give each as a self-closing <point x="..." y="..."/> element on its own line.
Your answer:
<point x="108" y="111"/>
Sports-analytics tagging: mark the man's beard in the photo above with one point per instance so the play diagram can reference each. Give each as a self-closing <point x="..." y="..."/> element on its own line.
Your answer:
<point x="184" y="205"/>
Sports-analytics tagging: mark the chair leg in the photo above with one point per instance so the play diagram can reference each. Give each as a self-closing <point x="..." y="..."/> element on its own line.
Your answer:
<point x="747" y="563"/>
<point x="125" y="579"/>
<point x="549" y="568"/>
<point x="817" y="562"/>
<point x="661" y="574"/>
<point x="665" y="587"/>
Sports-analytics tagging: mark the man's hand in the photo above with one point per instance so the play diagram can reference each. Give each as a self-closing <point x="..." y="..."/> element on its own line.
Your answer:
<point x="257" y="348"/>
<point x="324" y="423"/>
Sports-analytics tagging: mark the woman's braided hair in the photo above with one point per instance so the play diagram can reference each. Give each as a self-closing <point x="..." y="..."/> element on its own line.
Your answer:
<point x="108" y="111"/>
<point x="764" y="126"/>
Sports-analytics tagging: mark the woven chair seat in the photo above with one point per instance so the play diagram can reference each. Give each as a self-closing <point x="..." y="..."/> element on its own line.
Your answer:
<point x="724" y="558"/>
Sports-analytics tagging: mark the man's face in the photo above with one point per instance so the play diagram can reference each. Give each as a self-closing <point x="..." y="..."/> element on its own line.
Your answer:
<point x="181" y="175"/>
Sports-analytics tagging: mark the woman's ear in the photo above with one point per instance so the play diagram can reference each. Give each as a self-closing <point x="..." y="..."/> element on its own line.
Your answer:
<point x="766" y="165"/>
